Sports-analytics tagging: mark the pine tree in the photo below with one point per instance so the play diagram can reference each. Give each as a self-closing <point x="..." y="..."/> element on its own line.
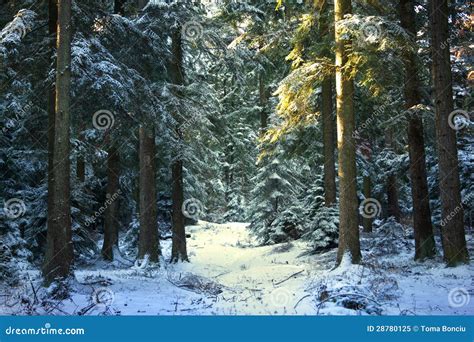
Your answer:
<point x="328" y="120"/>
<point x="148" y="244"/>
<point x="59" y="252"/>
<point x="424" y="240"/>
<point x="348" y="226"/>
<point x="111" y="224"/>
<point x="178" y="252"/>
<point x="454" y="240"/>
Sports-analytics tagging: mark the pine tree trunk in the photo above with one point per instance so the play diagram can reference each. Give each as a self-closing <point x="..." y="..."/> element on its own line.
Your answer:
<point x="367" y="189"/>
<point x="178" y="250"/>
<point x="423" y="228"/>
<point x="452" y="213"/>
<point x="348" y="222"/>
<point x="328" y="123"/>
<point x="111" y="225"/>
<point x="81" y="169"/>
<point x="329" y="144"/>
<point x="80" y="163"/>
<point x="148" y="243"/>
<point x="393" y="207"/>
<point x="59" y="252"/>
<point x="263" y="103"/>
<point x="53" y="22"/>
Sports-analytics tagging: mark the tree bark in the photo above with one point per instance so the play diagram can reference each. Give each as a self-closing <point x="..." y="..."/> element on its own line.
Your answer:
<point x="348" y="222"/>
<point x="328" y="144"/>
<point x="178" y="250"/>
<point x="393" y="207"/>
<point x="423" y="228"/>
<point x="452" y="213"/>
<point x="111" y="225"/>
<point x="53" y="22"/>
<point x="367" y="189"/>
<point x="148" y="243"/>
<point x="59" y="252"/>
<point x="80" y="163"/>
<point x="81" y="169"/>
<point x="263" y="99"/>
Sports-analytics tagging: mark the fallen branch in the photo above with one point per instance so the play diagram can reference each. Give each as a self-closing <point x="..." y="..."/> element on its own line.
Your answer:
<point x="86" y="309"/>
<point x="288" y="278"/>
<point x="34" y="292"/>
<point x="294" y="307"/>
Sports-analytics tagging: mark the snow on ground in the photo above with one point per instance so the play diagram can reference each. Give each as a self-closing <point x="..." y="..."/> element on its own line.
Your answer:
<point x="230" y="274"/>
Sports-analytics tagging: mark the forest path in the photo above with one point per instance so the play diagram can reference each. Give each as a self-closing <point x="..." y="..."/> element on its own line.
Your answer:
<point x="228" y="274"/>
<point x="256" y="279"/>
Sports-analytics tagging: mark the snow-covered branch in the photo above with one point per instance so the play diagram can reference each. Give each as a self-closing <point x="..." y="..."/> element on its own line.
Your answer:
<point x="15" y="30"/>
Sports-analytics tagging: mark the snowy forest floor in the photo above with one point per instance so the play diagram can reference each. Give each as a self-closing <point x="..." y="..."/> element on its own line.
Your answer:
<point x="230" y="274"/>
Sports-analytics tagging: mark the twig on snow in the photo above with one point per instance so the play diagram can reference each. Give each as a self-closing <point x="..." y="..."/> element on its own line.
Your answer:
<point x="299" y="301"/>
<point x="288" y="278"/>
